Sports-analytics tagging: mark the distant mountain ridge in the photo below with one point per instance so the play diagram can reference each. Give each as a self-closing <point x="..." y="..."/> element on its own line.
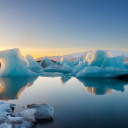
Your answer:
<point x="77" y="55"/>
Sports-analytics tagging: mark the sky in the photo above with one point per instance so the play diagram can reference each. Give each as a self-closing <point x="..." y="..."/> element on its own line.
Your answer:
<point x="59" y="27"/>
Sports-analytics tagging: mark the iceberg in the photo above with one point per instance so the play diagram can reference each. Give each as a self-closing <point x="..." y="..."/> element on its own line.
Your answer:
<point x="79" y="67"/>
<point x="46" y="62"/>
<point x="58" y="63"/>
<point x="33" y="65"/>
<point x="96" y="58"/>
<point x="98" y="72"/>
<point x="64" y="61"/>
<point x="14" y="64"/>
<point x="126" y="64"/>
<point x="101" y="64"/>
<point x="78" y="60"/>
<point x="67" y="65"/>
<point x="117" y="62"/>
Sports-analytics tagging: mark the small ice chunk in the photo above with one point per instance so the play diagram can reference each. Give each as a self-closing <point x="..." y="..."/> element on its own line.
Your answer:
<point x="29" y="114"/>
<point x="24" y="124"/>
<point x="46" y="62"/>
<point x="15" y="119"/>
<point x="5" y="108"/>
<point x="44" y="111"/>
<point x="5" y="125"/>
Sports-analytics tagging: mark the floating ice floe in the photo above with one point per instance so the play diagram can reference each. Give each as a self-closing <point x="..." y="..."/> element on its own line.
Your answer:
<point x="43" y="111"/>
<point x="26" y="118"/>
<point x="14" y="64"/>
<point x="29" y="115"/>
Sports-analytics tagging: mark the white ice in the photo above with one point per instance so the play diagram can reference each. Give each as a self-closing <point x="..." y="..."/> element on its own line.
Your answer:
<point x="14" y="64"/>
<point x="43" y="111"/>
<point x="5" y="125"/>
<point x="5" y="108"/>
<point x="15" y="119"/>
<point x="29" y="114"/>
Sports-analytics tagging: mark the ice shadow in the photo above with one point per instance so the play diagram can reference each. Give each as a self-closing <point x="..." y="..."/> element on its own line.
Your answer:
<point x="103" y="86"/>
<point x="11" y="87"/>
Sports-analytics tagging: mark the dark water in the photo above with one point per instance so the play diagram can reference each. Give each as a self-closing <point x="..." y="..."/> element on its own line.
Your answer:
<point x="78" y="103"/>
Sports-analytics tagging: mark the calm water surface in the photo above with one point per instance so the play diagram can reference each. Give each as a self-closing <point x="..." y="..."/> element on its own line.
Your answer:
<point x="78" y="103"/>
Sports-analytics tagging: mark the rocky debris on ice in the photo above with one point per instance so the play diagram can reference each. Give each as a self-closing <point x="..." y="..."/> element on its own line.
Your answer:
<point x="33" y="113"/>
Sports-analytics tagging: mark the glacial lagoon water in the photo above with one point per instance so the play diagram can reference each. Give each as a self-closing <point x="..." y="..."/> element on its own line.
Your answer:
<point x="78" y="103"/>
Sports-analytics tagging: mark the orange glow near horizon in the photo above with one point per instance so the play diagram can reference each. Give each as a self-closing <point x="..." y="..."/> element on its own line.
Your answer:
<point x="42" y="52"/>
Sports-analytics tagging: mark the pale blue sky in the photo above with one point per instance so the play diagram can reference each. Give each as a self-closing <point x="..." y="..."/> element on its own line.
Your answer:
<point x="64" y="24"/>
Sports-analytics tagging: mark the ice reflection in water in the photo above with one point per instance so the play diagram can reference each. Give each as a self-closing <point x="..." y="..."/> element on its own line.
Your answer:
<point x="103" y="86"/>
<point x="74" y="104"/>
<point x="12" y="87"/>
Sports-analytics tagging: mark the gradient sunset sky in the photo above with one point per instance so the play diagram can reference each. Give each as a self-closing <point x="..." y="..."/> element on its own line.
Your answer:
<point x="58" y="27"/>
